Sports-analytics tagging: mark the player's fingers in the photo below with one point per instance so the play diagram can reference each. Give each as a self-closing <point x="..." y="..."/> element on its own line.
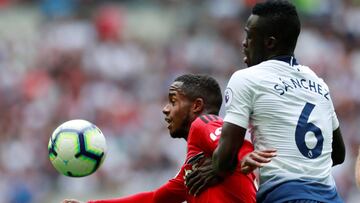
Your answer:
<point x="202" y="162"/>
<point x="260" y="157"/>
<point x="195" y="186"/>
<point x="248" y="169"/>
<point x="245" y="169"/>
<point x="253" y="161"/>
<point x="198" y="190"/>
<point x="206" y="162"/>
<point x="192" y="174"/>
<point x="201" y="182"/>
<point x="268" y="150"/>
<point x="197" y="172"/>
<point x="209" y="180"/>
<point x="192" y="178"/>
<point x="267" y="154"/>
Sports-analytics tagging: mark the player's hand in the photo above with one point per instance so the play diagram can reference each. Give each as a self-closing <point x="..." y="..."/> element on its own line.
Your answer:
<point x="71" y="201"/>
<point x="201" y="177"/>
<point x="256" y="159"/>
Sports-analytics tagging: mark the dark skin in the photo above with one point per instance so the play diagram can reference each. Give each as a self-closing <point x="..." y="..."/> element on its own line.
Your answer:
<point x="257" y="47"/>
<point x="180" y="112"/>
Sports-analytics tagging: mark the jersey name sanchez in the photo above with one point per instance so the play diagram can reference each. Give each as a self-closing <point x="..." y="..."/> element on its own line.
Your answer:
<point x="288" y="108"/>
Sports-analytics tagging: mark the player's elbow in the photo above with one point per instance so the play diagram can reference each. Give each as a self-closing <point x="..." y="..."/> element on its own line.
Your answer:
<point x="338" y="147"/>
<point x="338" y="156"/>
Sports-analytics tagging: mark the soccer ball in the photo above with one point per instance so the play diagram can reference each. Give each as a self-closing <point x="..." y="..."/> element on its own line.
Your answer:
<point x="77" y="148"/>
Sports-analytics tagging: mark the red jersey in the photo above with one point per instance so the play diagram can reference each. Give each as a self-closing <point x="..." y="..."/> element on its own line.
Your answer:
<point x="203" y="137"/>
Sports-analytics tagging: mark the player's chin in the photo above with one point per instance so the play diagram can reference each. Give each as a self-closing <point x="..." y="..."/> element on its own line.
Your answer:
<point x="172" y="133"/>
<point x="246" y="60"/>
<point x="176" y="134"/>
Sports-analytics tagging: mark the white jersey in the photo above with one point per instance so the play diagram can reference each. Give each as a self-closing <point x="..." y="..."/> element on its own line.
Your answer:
<point x="288" y="108"/>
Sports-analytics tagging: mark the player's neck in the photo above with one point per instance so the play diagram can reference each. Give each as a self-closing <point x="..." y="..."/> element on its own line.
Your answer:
<point x="279" y="53"/>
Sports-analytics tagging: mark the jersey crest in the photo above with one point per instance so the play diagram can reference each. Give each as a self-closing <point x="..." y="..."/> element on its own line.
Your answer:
<point x="228" y="95"/>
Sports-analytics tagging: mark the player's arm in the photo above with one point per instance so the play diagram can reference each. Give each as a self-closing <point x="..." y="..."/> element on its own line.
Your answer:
<point x="173" y="191"/>
<point x="338" y="147"/>
<point x="146" y="197"/>
<point x="225" y="155"/>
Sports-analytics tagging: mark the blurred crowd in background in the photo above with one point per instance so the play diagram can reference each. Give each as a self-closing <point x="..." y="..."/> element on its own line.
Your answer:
<point x="110" y="62"/>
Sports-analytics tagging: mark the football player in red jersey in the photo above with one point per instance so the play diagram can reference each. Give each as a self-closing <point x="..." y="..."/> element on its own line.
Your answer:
<point x="192" y="113"/>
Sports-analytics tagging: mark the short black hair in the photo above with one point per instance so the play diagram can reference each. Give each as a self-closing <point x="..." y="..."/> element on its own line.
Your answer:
<point x="202" y="86"/>
<point x="281" y="20"/>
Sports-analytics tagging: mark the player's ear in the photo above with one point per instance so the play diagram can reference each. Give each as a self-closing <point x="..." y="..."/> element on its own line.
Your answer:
<point x="270" y="42"/>
<point x="198" y="105"/>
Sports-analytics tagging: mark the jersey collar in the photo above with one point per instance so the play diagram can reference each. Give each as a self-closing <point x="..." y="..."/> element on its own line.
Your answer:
<point x="287" y="59"/>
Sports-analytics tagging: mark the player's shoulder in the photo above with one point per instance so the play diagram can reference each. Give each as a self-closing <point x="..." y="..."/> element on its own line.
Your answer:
<point x="205" y="122"/>
<point x="251" y="74"/>
<point x="245" y="72"/>
<point x="206" y="119"/>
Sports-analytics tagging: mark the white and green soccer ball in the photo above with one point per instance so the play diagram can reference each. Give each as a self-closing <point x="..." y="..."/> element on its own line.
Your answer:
<point x="77" y="148"/>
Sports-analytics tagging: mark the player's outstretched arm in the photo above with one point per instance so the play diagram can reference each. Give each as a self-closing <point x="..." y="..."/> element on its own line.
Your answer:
<point x="256" y="159"/>
<point x="146" y="197"/>
<point x="173" y="191"/>
<point x="338" y="146"/>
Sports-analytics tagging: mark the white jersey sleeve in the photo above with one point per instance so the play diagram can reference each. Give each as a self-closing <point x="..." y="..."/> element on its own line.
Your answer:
<point x="238" y="100"/>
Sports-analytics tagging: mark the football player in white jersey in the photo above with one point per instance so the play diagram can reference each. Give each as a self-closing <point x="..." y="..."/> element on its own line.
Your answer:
<point x="289" y="108"/>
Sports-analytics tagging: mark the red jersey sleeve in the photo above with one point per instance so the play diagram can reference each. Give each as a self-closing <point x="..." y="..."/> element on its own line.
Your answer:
<point x="173" y="191"/>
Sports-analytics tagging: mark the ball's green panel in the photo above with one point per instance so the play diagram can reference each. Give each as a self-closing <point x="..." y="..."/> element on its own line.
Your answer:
<point x="94" y="141"/>
<point x="80" y="167"/>
<point x="59" y="165"/>
<point x="67" y="144"/>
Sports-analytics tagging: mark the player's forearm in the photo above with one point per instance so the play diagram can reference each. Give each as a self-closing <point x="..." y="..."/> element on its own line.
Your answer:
<point x="223" y="162"/>
<point x="144" y="197"/>
<point x="225" y="155"/>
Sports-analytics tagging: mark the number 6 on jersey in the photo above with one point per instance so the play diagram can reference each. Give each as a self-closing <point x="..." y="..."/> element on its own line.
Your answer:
<point x="302" y="128"/>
